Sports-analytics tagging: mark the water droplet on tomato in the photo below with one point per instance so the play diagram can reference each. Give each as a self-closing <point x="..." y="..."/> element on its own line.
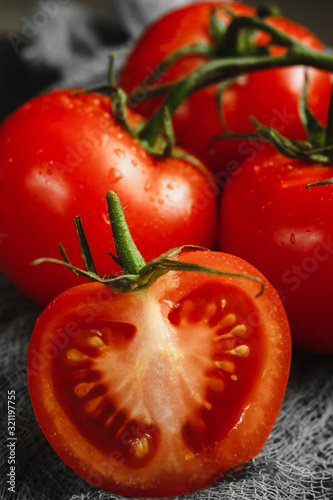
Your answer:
<point x="134" y="163"/>
<point x="292" y="238"/>
<point x="106" y="218"/>
<point x="120" y="153"/>
<point x="114" y="175"/>
<point x="147" y="186"/>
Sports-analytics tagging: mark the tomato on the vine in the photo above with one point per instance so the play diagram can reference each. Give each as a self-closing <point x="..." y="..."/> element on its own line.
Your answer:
<point x="272" y="95"/>
<point x="59" y="154"/>
<point x="157" y="392"/>
<point x="269" y="218"/>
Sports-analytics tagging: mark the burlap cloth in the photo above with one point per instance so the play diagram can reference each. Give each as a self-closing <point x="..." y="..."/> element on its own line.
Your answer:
<point x="70" y="49"/>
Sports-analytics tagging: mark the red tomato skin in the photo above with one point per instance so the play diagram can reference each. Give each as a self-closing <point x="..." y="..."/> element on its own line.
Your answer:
<point x="89" y="304"/>
<point x="272" y="96"/>
<point x="59" y="156"/>
<point x="269" y="218"/>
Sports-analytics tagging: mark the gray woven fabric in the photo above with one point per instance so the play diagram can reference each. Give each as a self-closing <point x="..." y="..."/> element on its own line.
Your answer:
<point x="135" y="14"/>
<point x="297" y="460"/>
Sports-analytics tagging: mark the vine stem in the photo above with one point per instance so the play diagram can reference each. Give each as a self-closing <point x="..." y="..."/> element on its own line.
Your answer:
<point x="224" y="68"/>
<point x="220" y="70"/>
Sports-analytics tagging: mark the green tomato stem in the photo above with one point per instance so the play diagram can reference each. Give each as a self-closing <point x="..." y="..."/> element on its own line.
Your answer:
<point x="128" y="256"/>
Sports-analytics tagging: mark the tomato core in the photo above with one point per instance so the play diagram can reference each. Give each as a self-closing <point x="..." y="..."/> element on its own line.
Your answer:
<point x="113" y="411"/>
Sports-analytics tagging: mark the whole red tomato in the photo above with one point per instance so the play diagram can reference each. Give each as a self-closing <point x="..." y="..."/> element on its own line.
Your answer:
<point x="59" y="154"/>
<point x="157" y="392"/>
<point x="271" y="95"/>
<point x="269" y="218"/>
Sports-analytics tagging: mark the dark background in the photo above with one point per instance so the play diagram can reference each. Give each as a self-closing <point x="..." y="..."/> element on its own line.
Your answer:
<point x="316" y="15"/>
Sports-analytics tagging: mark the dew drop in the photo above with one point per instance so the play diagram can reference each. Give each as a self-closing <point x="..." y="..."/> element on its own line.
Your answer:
<point x="114" y="175"/>
<point x="134" y="163"/>
<point x="120" y="153"/>
<point x="147" y="186"/>
<point x="292" y="238"/>
<point x="106" y="219"/>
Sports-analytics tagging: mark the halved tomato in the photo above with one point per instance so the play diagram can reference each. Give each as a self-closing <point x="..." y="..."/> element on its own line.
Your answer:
<point x="157" y="392"/>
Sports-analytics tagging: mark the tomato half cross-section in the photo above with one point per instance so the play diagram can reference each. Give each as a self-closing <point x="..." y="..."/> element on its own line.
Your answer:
<point x="159" y="391"/>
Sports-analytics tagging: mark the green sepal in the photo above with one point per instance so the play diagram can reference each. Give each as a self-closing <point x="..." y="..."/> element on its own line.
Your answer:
<point x="151" y="272"/>
<point x="217" y="28"/>
<point x="238" y="42"/>
<point x="84" y="248"/>
<point x="320" y="183"/>
<point x="162" y="146"/>
<point x="268" y="10"/>
<point x="291" y="148"/>
<point x="138" y="274"/>
<point x="329" y="126"/>
<point x="195" y="49"/>
<point x="296" y="149"/>
<point x="221" y="88"/>
<point x="315" y="131"/>
<point x="119" y="109"/>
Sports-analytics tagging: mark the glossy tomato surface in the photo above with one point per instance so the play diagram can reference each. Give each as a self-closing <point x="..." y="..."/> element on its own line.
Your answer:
<point x="59" y="154"/>
<point x="269" y="218"/>
<point x="156" y="393"/>
<point x="272" y="96"/>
